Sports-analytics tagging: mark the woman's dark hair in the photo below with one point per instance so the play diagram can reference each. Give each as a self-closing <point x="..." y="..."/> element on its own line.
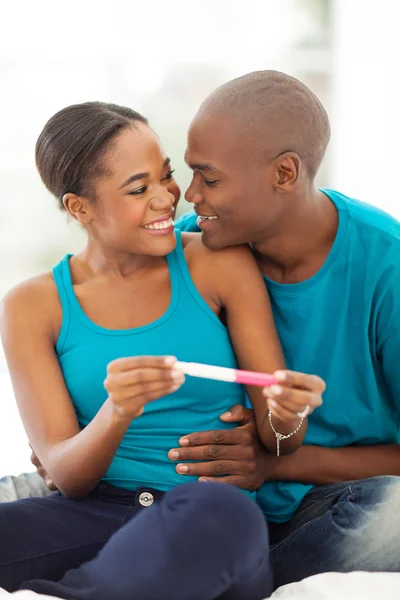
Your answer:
<point x="70" y="149"/>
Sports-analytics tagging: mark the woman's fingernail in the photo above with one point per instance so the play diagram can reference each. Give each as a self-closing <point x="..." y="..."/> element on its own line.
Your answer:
<point x="182" y="468"/>
<point x="174" y="454"/>
<point x="272" y="403"/>
<point x="203" y="479"/>
<point x="275" y="390"/>
<point x="170" y="360"/>
<point x="280" y="375"/>
<point x="184" y="442"/>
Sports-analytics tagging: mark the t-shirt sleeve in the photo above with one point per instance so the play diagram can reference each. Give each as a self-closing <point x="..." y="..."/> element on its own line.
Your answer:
<point x="388" y="330"/>
<point x="390" y="359"/>
<point x="188" y="222"/>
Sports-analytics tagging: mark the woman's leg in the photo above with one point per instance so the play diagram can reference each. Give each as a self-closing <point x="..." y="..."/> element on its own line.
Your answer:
<point x="45" y="537"/>
<point x="202" y="541"/>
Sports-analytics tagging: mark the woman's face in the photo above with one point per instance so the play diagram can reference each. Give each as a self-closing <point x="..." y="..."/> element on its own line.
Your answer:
<point x="135" y="201"/>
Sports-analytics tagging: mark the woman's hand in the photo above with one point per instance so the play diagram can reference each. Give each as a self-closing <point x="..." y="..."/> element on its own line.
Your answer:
<point x="134" y="381"/>
<point x="296" y="395"/>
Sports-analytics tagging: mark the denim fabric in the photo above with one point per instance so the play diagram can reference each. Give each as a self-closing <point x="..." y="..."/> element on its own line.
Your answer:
<point x="351" y="526"/>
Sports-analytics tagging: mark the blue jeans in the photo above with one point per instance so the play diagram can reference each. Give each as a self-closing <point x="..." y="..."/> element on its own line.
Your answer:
<point x="200" y="541"/>
<point x="341" y="527"/>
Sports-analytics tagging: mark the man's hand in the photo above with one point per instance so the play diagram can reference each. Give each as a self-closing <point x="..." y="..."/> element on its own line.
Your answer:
<point x="233" y="456"/>
<point x="36" y="463"/>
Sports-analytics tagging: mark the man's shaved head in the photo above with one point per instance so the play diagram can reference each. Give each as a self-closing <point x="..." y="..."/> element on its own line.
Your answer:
<point x="277" y="113"/>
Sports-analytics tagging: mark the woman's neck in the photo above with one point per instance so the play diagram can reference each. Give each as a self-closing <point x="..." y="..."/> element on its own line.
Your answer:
<point x="96" y="259"/>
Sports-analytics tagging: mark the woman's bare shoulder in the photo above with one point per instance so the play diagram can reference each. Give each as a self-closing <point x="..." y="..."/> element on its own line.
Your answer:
<point x="233" y="255"/>
<point x="33" y="300"/>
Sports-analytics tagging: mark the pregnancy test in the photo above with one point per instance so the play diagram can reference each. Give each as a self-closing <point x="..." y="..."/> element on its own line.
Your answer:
<point x="225" y="374"/>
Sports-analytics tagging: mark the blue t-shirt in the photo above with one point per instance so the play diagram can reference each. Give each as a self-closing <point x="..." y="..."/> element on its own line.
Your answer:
<point x="344" y="325"/>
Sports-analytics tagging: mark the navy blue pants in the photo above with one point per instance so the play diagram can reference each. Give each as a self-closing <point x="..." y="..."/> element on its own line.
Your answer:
<point x="200" y="541"/>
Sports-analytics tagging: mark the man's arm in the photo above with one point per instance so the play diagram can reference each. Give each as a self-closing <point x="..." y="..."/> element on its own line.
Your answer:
<point x="318" y="465"/>
<point x="237" y="457"/>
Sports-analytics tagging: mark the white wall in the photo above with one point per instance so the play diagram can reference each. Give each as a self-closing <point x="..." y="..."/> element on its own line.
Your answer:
<point x="365" y="106"/>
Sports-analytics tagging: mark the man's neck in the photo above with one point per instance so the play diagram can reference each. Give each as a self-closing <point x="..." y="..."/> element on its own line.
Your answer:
<point x="303" y="241"/>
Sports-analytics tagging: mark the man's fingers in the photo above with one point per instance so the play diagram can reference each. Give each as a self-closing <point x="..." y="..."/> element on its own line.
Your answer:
<point x="238" y="414"/>
<point x="212" y="452"/>
<point x="313" y="383"/>
<point x="237" y="481"/>
<point x="50" y="484"/>
<point x="35" y="460"/>
<point x="215" y="468"/>
<point x="206" y="438"/>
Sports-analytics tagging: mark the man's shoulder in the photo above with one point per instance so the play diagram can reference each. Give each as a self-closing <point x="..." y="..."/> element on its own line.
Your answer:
<point x="369" y="220"/>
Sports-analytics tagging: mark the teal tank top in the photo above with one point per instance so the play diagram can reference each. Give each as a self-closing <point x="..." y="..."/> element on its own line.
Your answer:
<point x="188" y="330"/>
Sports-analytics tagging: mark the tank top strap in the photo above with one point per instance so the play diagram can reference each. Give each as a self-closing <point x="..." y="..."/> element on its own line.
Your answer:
<point x="184" y="272"/>
<point x="65" y="293"/>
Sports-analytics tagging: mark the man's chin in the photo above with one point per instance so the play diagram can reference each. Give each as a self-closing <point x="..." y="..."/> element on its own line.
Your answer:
<point x="213" y="242"/>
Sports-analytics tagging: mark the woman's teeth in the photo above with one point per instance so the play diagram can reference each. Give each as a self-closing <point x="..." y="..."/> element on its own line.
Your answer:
<point x="159" y="224"/>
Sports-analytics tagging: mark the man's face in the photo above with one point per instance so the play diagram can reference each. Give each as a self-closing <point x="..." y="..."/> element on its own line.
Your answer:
<point x="231" y="185"/>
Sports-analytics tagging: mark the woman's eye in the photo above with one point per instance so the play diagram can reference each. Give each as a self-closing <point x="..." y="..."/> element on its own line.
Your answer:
<point x="211" y="183"/>
<point x="138" y="191"/>
<point x="169" y="175"/>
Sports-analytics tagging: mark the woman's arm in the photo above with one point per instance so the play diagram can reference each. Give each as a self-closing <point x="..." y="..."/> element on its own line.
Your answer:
<point x="75" y="460"/>
<point x="243" y="294"/>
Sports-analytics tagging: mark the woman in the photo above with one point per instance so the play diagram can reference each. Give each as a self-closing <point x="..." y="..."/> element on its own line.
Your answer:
<point x="91" y="349"/>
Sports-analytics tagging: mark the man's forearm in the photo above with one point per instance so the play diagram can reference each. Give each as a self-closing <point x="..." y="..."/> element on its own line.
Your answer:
<point x="318" y="465"/>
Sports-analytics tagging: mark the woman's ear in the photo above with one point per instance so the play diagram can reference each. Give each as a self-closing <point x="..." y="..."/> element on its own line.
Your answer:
<point x="79" y="208"/>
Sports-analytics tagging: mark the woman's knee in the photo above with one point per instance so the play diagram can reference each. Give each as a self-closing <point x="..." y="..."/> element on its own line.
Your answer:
<point x="215" y="510"/>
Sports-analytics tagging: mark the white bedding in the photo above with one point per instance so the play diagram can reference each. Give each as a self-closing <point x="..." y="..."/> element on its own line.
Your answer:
<point x="328" y="586"/>
<point x="343" y="586"/>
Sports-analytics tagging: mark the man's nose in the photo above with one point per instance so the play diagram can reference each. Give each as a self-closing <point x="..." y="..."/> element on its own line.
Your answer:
<point x="193" y="195"/>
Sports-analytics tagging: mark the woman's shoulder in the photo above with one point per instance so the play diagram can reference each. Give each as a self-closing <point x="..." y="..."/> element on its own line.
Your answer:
<point x="38" y="287"/>
<point x="235" y="255"/>
<point x="33" y="300"/>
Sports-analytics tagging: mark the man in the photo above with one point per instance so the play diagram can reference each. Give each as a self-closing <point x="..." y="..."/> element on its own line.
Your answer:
<point x="332" y="268"/>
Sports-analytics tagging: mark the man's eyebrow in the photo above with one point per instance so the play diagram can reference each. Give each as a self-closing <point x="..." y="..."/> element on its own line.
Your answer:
<point x="202" y="167"/>
<point x="144" y="175"/>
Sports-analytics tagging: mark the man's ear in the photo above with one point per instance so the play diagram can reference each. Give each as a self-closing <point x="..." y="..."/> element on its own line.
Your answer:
<point x="287" y="171"/>
<point x="79" y="208"/>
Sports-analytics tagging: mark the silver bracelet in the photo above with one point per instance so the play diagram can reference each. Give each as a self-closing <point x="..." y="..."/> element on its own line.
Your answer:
<point x="280" y="436"/>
